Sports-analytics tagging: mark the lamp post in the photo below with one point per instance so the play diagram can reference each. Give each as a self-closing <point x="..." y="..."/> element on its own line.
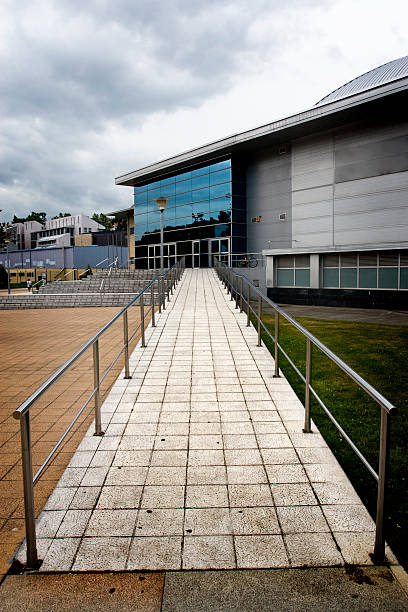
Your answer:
<point x="161" y="205"/>
<point x="8" y="267"/>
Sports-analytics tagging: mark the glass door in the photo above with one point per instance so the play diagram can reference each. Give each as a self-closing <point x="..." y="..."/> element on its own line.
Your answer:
<point x="196" y="253"/>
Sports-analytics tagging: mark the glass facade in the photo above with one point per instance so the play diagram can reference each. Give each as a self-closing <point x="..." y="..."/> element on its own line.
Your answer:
<point x="205" y="216"/>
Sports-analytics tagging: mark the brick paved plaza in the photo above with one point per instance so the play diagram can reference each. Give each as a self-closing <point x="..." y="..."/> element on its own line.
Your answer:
<point x="34" y="343"/>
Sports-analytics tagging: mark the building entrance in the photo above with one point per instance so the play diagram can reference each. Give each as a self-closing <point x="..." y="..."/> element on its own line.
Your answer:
<point x="203" y="251"/>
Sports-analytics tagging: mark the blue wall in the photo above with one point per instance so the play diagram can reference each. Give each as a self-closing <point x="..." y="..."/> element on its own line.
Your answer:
<point x="65" y="257"/>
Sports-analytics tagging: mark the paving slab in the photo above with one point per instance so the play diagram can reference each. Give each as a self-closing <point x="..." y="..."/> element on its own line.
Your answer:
<point x="287" y="590"/>
<point x="203" y="464"/>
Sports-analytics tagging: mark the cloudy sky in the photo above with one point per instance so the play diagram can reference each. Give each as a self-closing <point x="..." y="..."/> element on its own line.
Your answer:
<point x="92" y="89"/>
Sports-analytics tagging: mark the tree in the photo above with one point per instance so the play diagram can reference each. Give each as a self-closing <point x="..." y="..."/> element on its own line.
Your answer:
<point x="60" y="215"/>
<point x="101" y="218"/>
<point x="41" y="217"/>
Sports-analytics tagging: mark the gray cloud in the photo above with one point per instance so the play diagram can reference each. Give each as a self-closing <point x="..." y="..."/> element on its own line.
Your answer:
<point x="79" y="81"/>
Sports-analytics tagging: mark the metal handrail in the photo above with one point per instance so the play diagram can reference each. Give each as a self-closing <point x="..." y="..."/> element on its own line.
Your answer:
<point x="101" y="262"/>
<point x="233" y="283"/>
<point x="165" y="285"/>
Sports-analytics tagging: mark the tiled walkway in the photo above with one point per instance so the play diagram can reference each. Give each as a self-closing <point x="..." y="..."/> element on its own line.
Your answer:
<point x="203" y="463"/>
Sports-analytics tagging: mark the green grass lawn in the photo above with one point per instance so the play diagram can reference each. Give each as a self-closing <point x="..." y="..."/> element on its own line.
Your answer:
<point x="379" y="353"/>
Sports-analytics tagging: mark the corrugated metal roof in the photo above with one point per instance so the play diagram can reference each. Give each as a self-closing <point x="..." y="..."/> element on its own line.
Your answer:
<point x="392" y="71"/>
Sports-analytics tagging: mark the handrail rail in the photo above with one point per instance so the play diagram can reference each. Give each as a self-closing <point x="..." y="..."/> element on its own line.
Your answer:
<point x="165" y="284"/>
<point x="227" y="276"/>
<point x="101" y="262"/>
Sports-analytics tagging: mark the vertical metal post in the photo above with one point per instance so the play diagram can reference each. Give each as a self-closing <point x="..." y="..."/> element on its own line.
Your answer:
<point x="152" y="303"/>
<point x="163" y="293"/>
<point x="241" y="291"/>
<point x="161" y="240"/>
<point x="379" y="547"/>
<point x="276" y="374"/>
<point x="248" y="305"/>
<point x="98" y="421"/>
<point x="159" y="295"/>
<point x="232" y="286"/>
<point x="307" y="428"/>
<point x="126" y="343"/>
<point x="142" y="319"/>
<point x="259" y="319"/>
<point x="236" y="292"/>
<point x="32" y="556"/>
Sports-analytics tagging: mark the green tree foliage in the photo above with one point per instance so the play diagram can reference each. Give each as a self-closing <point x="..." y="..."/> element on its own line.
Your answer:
<point x="104" y="220"/>
<point x="61" y="214"/>
<point x="41" y="217"/>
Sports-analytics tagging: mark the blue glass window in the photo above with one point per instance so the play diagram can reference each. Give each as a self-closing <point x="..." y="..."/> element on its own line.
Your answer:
<point x="222" y="176"/>
<point x="183" y="186"/>
<point x="140" y="196"/>
<point x="198" y="171"/>
<point x="200" y="194"/>
<point x="168" y="181"/>
<point x="168" y="191"/>
<point x="220" y="165"/>
<point x="220" y="190"/>
<point x="200" y="181"/>
<point x="183" y="198"/>
<point x="152" y="194"/>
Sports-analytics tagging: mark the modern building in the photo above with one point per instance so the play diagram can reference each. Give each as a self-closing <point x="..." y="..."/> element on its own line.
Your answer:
<point x="322" y="196"/>
<point x="56" y="232"/>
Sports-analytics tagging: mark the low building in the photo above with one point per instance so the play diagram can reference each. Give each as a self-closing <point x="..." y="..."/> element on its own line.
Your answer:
<point x="321" y="196"/>
<point x="55" y="232"/>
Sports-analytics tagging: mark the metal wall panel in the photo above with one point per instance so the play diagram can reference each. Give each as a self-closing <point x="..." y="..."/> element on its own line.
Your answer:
<point x="268" y="195"/>
<point x="312" y="192"/>
<point x="372" y="210"/>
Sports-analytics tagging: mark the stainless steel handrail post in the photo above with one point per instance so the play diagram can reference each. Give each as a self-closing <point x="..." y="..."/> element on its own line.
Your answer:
<point x="152" y="304"/>
<point x="142" y="319"/>
<point x="248" y="304"/>
<point x="241" y="291"/>
<point x="307" y="428"/>
<point x="126" y="343"/>
<point x="276" y="374"/>
<point x="163" y="293"/>
<point x="159" y="295"/>
<point x="236" y="292"/>
<point x="98" y="421"/>
<point x="259" y="319"/>
<point x="32" y="556"/>
<point x="232" y="286"/>
<point x="383" y="464"/>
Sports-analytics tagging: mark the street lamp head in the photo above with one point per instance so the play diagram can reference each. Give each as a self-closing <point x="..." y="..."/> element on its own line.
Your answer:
<point x="161" y="203"/>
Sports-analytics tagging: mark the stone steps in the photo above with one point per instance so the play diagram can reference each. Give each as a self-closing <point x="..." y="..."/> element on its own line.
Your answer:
<point x="78" y="300"/>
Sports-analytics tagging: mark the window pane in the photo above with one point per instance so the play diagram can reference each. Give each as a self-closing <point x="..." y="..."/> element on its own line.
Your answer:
<point x="215" y="246"/>
<point x="140" y="197"/>
<point x="168" y="190"/>
<point x="404" y="278"/>
<point x="223" y="203"/>
<point x="183" y="186"/>
<point x="302" y="278"/>
<point x="285" y="278"/>
<point x="368" y="278"/>
<point x="183" y="198"/>
<point x="388" y="278"/>
<point x="200" y="181"/>
<point x="348" y="277"/>
<point x="222" y="176"/>
<point x="220" y="165"/>
<point x="200" y="194"/>
<point x="204" y="170"/>
<point x="330" y="277"/>
<point x="220" y="190"/>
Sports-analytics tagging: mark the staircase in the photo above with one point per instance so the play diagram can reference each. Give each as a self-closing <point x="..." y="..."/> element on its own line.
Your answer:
<point x="105" y="288"/>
